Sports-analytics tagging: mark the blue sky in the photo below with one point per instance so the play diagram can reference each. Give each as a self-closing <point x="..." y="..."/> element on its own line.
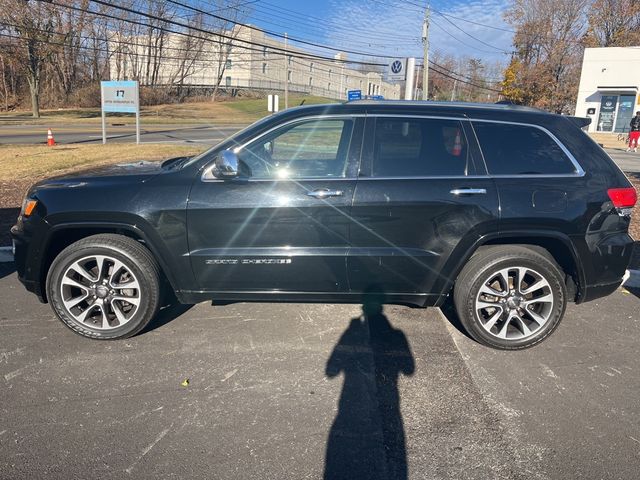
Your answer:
<point x="391" y="27"/>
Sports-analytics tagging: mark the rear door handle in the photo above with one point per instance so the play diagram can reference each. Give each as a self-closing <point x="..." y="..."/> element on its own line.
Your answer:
<point x="468" y="191"/>
<point x="325" y="193"/>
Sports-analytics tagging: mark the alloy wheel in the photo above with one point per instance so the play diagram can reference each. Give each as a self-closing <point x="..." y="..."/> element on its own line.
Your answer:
<point x="100" y="292"/>
<point x="514" y="303"/>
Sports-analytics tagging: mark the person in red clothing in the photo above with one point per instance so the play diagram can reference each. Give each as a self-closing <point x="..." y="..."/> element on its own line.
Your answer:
<point x="634" y="133"/>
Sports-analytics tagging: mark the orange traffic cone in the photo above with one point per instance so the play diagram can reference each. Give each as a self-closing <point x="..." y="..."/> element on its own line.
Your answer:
<point x="457" y="145"/>
<point x="50" y="140"/>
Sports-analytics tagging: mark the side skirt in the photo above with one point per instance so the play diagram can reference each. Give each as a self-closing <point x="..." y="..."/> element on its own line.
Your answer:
<point x="220" y="297"/>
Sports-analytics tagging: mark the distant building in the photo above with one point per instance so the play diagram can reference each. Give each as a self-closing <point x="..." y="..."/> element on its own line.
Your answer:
<point x="609" y="88"/>
<point x="260" y="68"/>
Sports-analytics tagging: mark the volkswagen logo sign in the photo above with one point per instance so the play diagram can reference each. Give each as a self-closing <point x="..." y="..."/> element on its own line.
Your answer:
<point x="396" y="67"/>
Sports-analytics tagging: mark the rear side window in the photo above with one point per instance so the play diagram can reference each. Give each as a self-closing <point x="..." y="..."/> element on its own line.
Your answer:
<point x="520" y="150"/>
<point x="419" y="147"/>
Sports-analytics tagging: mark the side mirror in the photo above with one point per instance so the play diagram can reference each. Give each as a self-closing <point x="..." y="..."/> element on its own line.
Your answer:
<point x="269" y="147"/>
<point x="226" y="165"/>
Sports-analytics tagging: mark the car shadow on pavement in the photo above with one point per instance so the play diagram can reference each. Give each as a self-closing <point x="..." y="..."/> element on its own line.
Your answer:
<point x="449" y="311"/>
<point x="634" y="291"/>
<point x="166" y="314"/>
<point x="7" y="269"/>
<point x="367" y="438"/>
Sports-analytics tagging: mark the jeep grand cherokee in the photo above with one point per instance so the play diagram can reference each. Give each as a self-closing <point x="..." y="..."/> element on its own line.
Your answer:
<point x="510" y="211"/>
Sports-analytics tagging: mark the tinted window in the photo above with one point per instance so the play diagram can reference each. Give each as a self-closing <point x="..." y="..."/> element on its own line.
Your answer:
<point x="415" y="147"/>
<point x="312" y="149"/>
<point x="518" y="149"/>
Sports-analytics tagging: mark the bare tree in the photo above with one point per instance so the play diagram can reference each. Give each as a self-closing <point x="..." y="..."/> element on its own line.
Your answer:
<point x="34" y="24"/>
<point x="226" y="31"/>
<point x="613" y="23"/>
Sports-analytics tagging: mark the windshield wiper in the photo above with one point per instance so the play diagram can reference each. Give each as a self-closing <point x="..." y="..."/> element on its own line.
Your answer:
<point x="173" y="163"/>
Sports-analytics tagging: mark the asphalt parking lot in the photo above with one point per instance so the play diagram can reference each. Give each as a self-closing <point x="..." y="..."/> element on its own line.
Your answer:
<point x="310" y="391"/>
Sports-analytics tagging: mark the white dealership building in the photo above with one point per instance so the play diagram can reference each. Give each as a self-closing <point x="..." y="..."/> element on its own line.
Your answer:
<point x="609" y="88"/>
<point x="257" y="62"/>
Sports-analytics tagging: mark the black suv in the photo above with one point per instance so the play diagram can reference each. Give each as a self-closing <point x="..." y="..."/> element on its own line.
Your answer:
<point x="509" y="211"/>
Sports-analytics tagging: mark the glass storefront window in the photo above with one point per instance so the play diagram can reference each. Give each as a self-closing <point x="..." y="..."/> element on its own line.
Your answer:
<point x="625" y="112"/>
<point x="615" y="113"/>
<point x="607" y="112"/>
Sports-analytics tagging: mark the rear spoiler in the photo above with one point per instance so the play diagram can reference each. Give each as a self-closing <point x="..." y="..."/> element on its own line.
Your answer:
<point x="580" y="122"/>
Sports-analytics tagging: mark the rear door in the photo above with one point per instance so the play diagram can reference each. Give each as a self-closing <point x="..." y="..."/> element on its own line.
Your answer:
<point x="421" y="199"/>
<point x="283" y="225"/>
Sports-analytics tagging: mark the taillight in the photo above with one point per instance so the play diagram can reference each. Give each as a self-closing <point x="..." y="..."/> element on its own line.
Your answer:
<point x="623" y="197"/>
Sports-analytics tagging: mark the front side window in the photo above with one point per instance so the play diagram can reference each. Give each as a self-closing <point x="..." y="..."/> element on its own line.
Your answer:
<point x="309" y="149"/>
<point x="419" y="147"/>
<point x="520" y="150"/>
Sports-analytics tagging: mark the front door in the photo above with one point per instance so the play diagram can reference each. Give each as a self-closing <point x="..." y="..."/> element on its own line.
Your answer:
<point x="283" y="224"/>
<point x="422" y="196"/>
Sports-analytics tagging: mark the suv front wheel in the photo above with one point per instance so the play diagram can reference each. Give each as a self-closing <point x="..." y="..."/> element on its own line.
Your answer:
<point x="104" y="287"/>
<point x="510" y="297"/>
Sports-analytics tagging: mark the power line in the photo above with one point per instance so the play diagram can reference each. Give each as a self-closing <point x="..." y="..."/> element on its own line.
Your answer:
<point x="294" y="24"/>
<point x="207" y="32"/>
<point x="251" y="27"/>
<point x="222" y="35"/>
<point x="461" y="41"/>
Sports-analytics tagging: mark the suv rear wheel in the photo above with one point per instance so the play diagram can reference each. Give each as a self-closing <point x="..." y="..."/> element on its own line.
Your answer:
<point x="104" y="287"/>
<point x="510" y="297"/>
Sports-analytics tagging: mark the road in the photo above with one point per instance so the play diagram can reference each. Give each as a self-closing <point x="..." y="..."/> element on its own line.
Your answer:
<point x="627" y="161"/>
<point x="92" y="133"/>
<point x="294" y="391"/>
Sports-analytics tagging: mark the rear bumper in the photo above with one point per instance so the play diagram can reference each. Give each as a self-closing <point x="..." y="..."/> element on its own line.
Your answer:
<point x="605" y="264"/>
<point x="593" y="292"/>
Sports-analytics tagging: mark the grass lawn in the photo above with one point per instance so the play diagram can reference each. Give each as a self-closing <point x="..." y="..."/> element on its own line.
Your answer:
<point x="33" y="162"/>
<point x="240" y="111"/>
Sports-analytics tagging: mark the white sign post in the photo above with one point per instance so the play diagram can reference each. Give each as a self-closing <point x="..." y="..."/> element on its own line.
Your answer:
<point x="120" y="97"/>
<point x="410" y="80"/>
<point x="273" y="102"/>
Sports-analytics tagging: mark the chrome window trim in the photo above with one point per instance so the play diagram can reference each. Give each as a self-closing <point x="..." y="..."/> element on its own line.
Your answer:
<point x="207" y="176"/>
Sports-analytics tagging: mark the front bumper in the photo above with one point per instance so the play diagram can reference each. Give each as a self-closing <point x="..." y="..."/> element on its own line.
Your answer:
<point x="27" y="262"/>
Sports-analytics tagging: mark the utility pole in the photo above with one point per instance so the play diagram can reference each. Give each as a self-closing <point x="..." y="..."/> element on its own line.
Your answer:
<point x="425" y="44"/>
<point x="286" y="73"/>
<point x="453" y="92"/>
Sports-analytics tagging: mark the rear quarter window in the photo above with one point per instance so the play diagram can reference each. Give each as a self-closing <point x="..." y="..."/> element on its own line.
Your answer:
<point x="520" y="150"/>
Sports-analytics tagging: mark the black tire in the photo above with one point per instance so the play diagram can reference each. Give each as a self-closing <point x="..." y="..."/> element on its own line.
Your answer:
<point x="139" y="268"/>
<point x="522" y="331"/>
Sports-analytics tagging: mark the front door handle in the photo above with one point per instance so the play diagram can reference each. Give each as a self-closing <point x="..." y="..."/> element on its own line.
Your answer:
<point x="468" y="191"/>
<point x="325" y="193"/>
